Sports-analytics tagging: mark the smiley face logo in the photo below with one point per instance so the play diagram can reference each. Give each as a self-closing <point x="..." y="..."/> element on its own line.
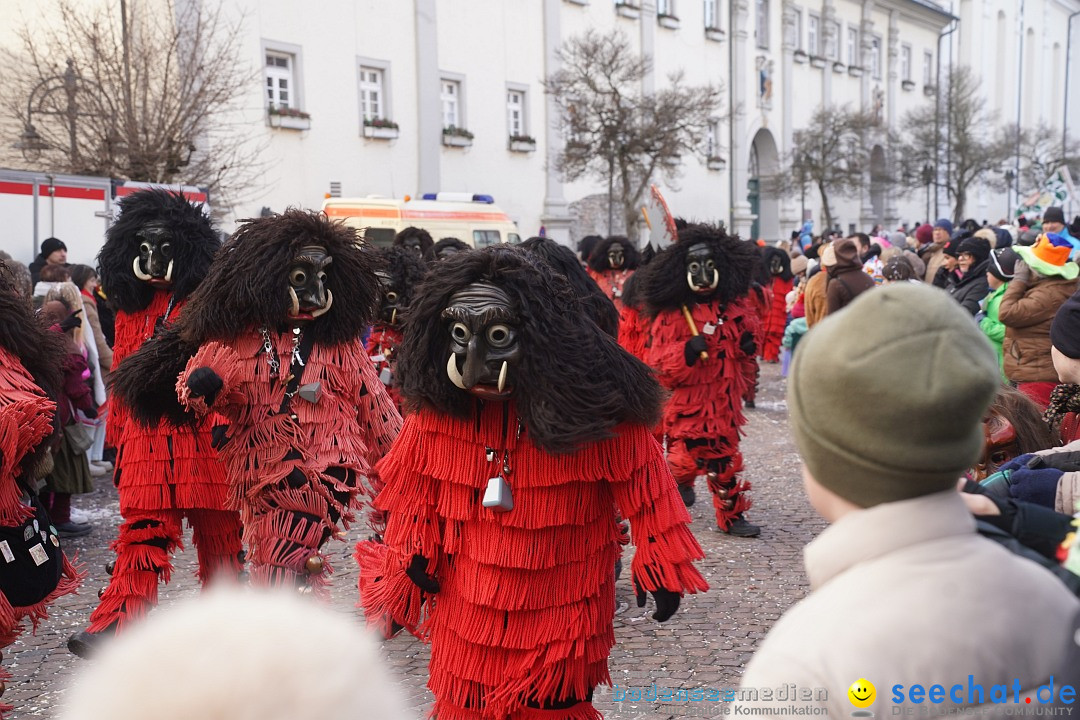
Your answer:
<point x="862" y="693"/>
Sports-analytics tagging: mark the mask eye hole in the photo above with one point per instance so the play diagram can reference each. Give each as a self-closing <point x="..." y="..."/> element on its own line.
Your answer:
<point x="391" y="296"/>
<point x="710" y="265"/>
<point x="694" y="266"/>
<point x="144" y="248"/>
<point x="322" y="277"/>
<point x="460" y="332"/>
<point x="165" y="247"/>
<point x="499" y="336"/>
<point x="298" y="278"/>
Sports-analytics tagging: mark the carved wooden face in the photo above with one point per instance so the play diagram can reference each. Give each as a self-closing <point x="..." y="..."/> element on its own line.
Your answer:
<point x="484" y="342"/>
<point x="308" y="292"/>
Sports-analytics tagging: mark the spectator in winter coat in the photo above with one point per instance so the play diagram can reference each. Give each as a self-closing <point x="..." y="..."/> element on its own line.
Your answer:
<point x="1054" y="222"/>
<point x="53" y="252"/>
<point x="948" y="272"/>
<point x="846" y="278"/>
<point x="972" y="261"/>
<point x="1043" y="279"/>
<point x="814" y="299"/>
<point x="884" y="475"/>
<point x="932" y="251"/>
<point x="998" y="274"/>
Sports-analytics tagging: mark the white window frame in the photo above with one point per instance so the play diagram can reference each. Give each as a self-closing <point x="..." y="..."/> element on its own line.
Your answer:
<point x="875" y="57"/>
<point x="518" y="89"/>
<point x="928" y="68"/>
<point x="853" y="46"/>
<point x="761" y="29"/>
<point x="712" y="138"/>
<point x="712" y="14"/>
<point x="459" y="81"/>
<point x="905" y="62"/>
<point x="813" y="34"/>
<point x="365" y="64"/>
<point x="834" y="55"/>
<point x="294" y="73"/>
<point x="665" y="7"/>
<point x="798" y="15"/>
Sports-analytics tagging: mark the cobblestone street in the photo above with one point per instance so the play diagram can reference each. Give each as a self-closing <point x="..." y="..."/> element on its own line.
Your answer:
<point x="706" y="644"/>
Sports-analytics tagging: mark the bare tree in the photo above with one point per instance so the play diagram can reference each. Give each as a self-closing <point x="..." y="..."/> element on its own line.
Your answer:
<point x="827" y="155"/>
<point x="1042" y="153"/>
<point x="959" y="138"/>
<point x="616" y="132"/>
<point x="135" y="92"/>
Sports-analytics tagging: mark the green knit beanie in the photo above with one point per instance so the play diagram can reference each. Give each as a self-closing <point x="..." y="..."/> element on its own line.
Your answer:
<point x="887" y="397"/>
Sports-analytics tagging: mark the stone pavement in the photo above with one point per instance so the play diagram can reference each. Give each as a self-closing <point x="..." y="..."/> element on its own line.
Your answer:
<point x="706" y="644"/>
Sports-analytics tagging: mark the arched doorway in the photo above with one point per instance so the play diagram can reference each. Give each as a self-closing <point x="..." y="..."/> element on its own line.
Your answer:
<point x="764" y="203"/>
<point x="879" y="182"/>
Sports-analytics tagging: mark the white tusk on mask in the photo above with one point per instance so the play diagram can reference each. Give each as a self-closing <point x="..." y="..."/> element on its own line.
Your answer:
<point x="139" y="273"/>
<point x="502" y="376"/>
<point x="393" y="316"/>
<point x="295" y="303"/>
<point x="325" y="308"/>
<point x="690" y="280"/>
<point x="453" y="373"/>
<point x="715" y="279"/>
<point x="168" y="273"/>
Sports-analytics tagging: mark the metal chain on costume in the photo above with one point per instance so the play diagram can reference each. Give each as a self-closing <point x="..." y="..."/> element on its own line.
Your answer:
<point x="272" y="356"/>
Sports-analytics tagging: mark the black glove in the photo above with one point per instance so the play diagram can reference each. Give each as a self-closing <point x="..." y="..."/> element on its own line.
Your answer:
<point x="71" y="322"/>
<point x="747" y="344"/>
<point x="219" y="436"/>
<point x="667" y="602"/>
<point x="417" y="572"/>
<point x="692" y="350"/>
<point x="1065" y="461"/>
<point x="205" y="383"/>
<point x="90" y="412"/>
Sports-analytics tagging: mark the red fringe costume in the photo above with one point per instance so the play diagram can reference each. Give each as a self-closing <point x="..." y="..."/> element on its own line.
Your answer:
<point x="523" y="619"/>
<point x="760" y="301"/>
<point x="384" y="343"/>
<point x="611" y="283"/>
<point x="25" y="421"/>
<point x="775" y="320"/>
<point x="164" y="474"/>
<point x="703" y="417"/>
<point x="332" y="442"/>
<point x="633" y="331"/>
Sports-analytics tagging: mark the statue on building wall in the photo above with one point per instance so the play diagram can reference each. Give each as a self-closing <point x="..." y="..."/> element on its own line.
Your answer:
<point x="765" y="82"/>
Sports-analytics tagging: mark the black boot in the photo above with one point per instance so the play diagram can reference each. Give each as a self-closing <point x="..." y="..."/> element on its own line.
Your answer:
<point x="686" y="491"/>
<point x="741" y="528"/>
<point x="85" y="644"/>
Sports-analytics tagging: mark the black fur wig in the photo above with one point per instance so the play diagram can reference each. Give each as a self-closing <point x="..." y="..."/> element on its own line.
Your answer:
<point x="427" y="245"/>
<point x="40" y="350"/>
<point x="405" y="269"/>
<point x="574" y="384"/>
<point x="598" y="259"/>
<point x="449" y="242"/>
<point x="246" y="289"/>
<point x="662" y="283"/>
<point x="562" y="261"/>
<point x="767" y="254"/>
<point x="194" y="246"/>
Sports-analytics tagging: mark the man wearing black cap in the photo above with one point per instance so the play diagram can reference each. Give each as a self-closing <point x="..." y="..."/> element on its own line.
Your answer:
<point x="1054" y="222"/>
<point x="973" y="258"/>
<point x="53" y="252"/>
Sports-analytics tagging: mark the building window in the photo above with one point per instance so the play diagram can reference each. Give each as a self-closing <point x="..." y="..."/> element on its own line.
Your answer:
<point x="665" y="7"/>
<point x="928" y="68"/>
<point x="451" y="103"/>
<point x="798" y="29"/>
<point x="763" y="24"/>
<point x="712" y="140"/>
<point x="280" y="85"/>
<point x="832" y="42"/>
<point x="813" y="34"/>
<point x="875" y="57"/>
<point x="712" y="14"/>
<point x="853" y="46"/>
<point x="515" y="113"/>
<point x="372" y="93"/>
<point x="905" y="62"/>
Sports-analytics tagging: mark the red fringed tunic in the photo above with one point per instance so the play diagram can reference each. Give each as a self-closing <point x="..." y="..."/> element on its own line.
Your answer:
<point x="527" y="597"/>
<point x="382" y="345"/>
<point x="706" y="399"/>
<point x="164" y="467"/>
<point x="633" y="331"/>
<point x="25" y="421"/>
<point x="351" y="425"/>
<point x="611" y="283"/>
<point x="775" y="320"/>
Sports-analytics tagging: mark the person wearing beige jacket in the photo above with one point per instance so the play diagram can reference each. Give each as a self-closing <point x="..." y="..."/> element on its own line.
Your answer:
<point x="905" y="596"/>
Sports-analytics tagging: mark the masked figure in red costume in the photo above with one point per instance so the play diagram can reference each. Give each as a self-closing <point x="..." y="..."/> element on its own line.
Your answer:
<point x="529" y="425"/>
<point x="154" y="257"/>
<point x="402" y="271"/>
<point x="611" y="263"/>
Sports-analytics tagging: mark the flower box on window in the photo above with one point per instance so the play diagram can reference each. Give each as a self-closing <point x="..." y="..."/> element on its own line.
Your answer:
<point x="628" y="10"/>
<point x="668" y="21"/>
<point x="801" y="56"/>
<point x="288" y="118"/>
<point x="855" y="71"/>
<point x="715" y="34"/>
<point x="838" y="67"/>
<point x="716" y="163"/>
<point x="578" y="2"/>
<point x="908" y="84"/>
<point x="456" y="137"/>
<point x="380" y="129"/>
<point x="929" y="90"/>
<point x="818" y="62"/>
<point x="522" y="143"/>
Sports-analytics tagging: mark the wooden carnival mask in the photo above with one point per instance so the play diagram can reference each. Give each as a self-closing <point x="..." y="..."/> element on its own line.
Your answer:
<point x="310" y="296"/>
<point x="701" y="273"/>
<point x="154" y="263"/>
<point x="484" y="344"/>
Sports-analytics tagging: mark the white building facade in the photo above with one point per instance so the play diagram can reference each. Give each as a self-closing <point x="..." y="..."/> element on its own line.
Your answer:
<point x="368" y="97"/>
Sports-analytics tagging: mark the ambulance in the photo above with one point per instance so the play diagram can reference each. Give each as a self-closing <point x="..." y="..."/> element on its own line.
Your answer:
<point x="473" y="219"/>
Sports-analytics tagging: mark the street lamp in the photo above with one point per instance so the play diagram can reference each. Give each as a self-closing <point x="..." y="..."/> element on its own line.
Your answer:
<point x="928" y="180"/>
<point x="1009" y="177"/>
<point x="42" y="102"/>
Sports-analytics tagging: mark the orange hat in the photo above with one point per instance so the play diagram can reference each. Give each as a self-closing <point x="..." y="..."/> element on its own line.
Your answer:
<point x="1050" y="256"/>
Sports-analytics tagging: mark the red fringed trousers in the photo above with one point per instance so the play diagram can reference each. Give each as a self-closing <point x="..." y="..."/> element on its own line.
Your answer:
<point x="721" y="463"/>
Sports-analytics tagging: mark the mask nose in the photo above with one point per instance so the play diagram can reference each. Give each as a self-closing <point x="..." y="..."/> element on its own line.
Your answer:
<point x="474" y="363"/>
